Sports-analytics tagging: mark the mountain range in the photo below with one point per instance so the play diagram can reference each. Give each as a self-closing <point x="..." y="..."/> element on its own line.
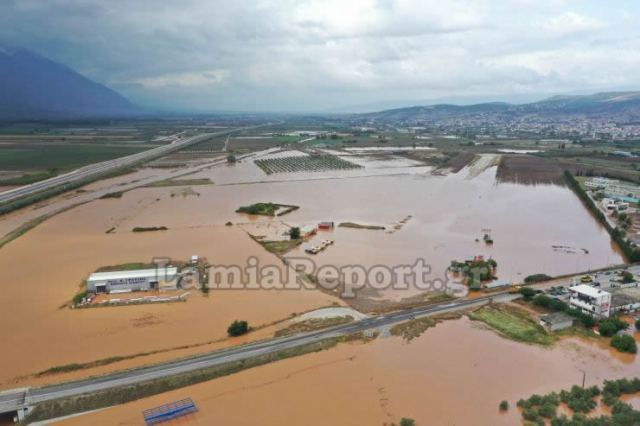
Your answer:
<point x="34" y="87"/>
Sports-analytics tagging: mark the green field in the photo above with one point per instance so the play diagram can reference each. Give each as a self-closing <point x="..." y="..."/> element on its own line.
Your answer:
<point x="39" y="157"/>
<point x="513" y="323"/>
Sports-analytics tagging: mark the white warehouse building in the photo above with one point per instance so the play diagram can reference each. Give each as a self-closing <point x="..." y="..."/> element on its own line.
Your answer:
<point x="590" y="300"/>
<point x="165" y="278"/>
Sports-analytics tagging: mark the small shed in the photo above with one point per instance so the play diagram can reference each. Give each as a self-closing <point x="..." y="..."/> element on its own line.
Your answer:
<point x="556" y="321"/>
<point x="326" y="225"/>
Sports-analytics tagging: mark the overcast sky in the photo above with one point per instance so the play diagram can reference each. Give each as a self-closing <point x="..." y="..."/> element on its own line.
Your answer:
<point x="319" y="55"/>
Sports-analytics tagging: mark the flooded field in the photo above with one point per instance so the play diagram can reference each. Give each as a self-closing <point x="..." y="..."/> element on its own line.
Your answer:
<point x="444" y="219"/>
<point x="454" y="374"/>
<point x="45" y="268"/>
<point x="436" y="218"/>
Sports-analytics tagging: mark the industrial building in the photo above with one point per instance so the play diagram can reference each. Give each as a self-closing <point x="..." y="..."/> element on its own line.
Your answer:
<point x="590" y="300"/>
<point x="161" y="278"/>
<point x="625" y="300"/>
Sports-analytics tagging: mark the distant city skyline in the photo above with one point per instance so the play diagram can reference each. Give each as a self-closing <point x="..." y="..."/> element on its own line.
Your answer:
<point x="324" y="55"/>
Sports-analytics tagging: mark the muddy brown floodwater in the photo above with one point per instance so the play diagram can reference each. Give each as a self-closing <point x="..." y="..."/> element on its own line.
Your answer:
<point x="448" y="213"/>
<point x="43" y="269"/>
<point x="454" y="374"/>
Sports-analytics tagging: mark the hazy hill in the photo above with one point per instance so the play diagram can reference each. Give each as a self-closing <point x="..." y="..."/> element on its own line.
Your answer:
<point x="34" y="87"/>
<point x="616" y="105"/>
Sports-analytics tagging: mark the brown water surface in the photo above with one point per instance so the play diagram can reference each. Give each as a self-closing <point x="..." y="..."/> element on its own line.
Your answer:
<point x="454" y="374"/>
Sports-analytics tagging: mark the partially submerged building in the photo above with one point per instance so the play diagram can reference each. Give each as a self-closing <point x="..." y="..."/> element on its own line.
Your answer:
<point x="590" y="300"/>
<point x="160" y="278"/>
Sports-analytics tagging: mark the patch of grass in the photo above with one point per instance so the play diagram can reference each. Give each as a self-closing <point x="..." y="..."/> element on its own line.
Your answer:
<point x="280" y="247"/>
<point x="313" y="324"/>
<point x="267" y="209"/>
<point x="411" y="329"/>
<point x="126" y="267"/>
<point x="181" y="182"/>
<point x="61" y="157"/>
<point x="264" y="209"/>
<point x="513" y="323"/>
<point x="117" y="194"/>
<point x="361" y="226"/>
<point x="149" y="228"/>
<point x="23" y="229"/>
<point x="28" y="178"/>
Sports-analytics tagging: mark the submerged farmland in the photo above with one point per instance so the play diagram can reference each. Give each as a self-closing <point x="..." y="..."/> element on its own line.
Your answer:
<point x="307" y="163"/>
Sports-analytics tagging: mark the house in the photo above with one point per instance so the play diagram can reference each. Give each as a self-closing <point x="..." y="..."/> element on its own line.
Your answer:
<point x="590" y="300"/>
<point x="556" y="321"/>
<point x="611" y="204"/>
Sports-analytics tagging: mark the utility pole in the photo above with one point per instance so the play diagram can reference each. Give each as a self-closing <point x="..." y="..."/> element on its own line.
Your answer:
<point x="584" y="376"/>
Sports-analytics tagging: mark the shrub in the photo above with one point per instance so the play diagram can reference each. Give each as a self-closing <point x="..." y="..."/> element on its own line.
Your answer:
<point x="531" y="414"/>
<point x="504" y="405"/>
<point x="558" y="305"/>
<point x="78" y="297"/>
<point x="238" y="328"/>
<point x="582" y="405"/>
<point x="627" y="277"/>
<point x="548" y="410"/>
<point x="527" y="293"/>
<point x="611" y="326"/>
<point x="542" y="301"/>
<point x="536" y="278"/>
<point x="624" y="343"/>
<point x="294" y="233"/>
<point x="407" y="422"/>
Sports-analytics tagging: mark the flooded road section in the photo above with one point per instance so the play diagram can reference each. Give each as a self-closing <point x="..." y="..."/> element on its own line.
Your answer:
<point x="454" y="374"/>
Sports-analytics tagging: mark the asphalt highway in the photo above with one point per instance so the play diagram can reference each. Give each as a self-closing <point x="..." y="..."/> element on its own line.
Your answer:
<point x="97" y="169"/>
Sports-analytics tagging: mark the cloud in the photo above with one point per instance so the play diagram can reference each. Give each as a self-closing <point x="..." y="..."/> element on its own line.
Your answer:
<point x="201" y="79"/>
<point x="571" y="23"/>
<point x="306" y="55"/>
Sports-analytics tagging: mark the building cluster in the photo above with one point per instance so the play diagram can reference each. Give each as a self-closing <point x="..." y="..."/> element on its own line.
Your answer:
<point x="507" y="126"/>
<point x="592" y="300"/>
<point x="614" y="190"/>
